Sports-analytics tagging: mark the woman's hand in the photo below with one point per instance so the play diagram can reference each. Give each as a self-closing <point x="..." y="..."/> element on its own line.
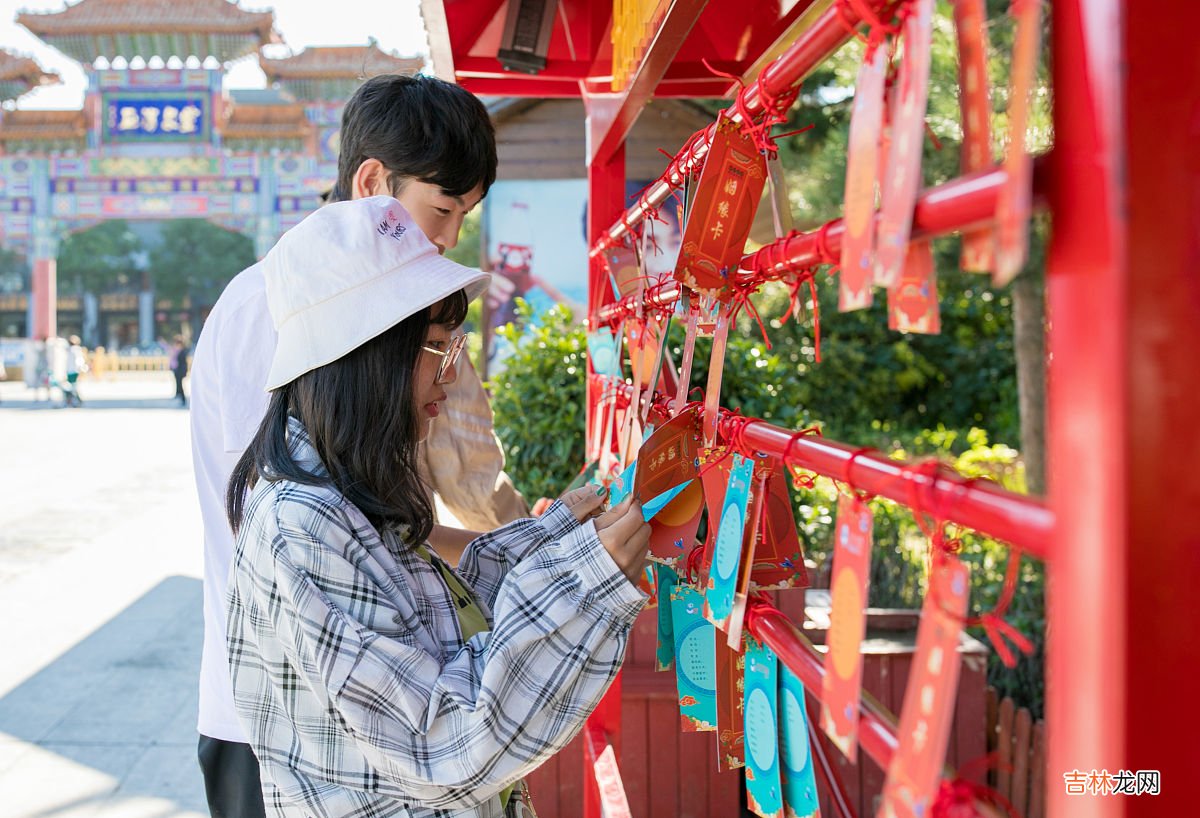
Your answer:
<point x="626" y="537"/>
<point x="586" y="502"/>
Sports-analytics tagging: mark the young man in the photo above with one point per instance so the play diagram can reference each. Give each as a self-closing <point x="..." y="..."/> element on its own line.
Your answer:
<point x="430" y="145"/>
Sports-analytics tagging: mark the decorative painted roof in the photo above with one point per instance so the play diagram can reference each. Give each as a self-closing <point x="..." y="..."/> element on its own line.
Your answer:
<point x="19" y="75"/>
<point x="129" y="28"/>
<point x="355" y="62"/>
<point x="43" y="126"/>
<point x="267" y="122"/>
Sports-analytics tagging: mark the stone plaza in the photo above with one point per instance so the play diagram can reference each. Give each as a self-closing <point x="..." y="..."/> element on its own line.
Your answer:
<point x="100" y="595"/>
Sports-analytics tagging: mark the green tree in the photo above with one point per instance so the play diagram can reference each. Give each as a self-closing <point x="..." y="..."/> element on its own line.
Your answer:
<point x="14" y="271"/>
<point x="100" y="259"/>
<point x="195" y="261"/>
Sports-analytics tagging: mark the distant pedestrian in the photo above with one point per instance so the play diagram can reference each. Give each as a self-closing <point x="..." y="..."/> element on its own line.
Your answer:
<point x="179" y="367"/>
<point x="41" y="368"/>
<point x="76" y="366"/>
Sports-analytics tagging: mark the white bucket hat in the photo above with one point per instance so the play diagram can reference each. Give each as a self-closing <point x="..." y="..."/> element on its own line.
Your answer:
<point x="347" y="273"/>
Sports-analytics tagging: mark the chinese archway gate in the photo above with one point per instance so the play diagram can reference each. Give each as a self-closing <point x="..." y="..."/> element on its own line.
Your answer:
<point x="1116" y="530"/>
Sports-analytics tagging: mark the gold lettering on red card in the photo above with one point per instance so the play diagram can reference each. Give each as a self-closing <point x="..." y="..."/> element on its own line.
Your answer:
<point x="974" y="100"/>
<point x="1016" y="196"/>
<point x="902" y="179"/>
<point x="727" y="196"/>
<point x="928" y="711"/>
<point x="841" y="688"/>
<point x="913" y="303"/>
<point x="862" y="167"/>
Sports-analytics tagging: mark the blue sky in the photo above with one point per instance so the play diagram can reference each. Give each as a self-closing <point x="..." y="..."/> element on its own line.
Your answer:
<point x="396" y="24"/>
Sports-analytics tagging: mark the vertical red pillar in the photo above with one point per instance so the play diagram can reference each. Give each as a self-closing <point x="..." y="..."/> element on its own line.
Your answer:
<point x="1161" y="120"/>
<point x="1124" y="308"/>
<point x="606" y="201"/>
<point x="45" y="299"/>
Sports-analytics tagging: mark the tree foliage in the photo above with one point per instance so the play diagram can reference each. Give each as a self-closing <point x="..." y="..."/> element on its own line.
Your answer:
<point x="197" y="259"/>
<point x="102" y="258"/>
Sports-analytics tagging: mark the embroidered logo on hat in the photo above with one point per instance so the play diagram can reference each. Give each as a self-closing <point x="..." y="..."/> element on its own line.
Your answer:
<point x="333" y="284"/>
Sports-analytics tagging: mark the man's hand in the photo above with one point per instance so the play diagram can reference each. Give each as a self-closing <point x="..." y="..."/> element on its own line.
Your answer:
<point x="626" y="537"/>
<point x="585" y="503"/>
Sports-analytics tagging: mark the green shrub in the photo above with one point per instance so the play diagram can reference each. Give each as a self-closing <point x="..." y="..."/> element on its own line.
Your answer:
<point x="538" y="401"/>
<point x="539" y="404"/>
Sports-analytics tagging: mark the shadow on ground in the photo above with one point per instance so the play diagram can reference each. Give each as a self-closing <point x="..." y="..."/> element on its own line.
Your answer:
<point x="108" y="728"/>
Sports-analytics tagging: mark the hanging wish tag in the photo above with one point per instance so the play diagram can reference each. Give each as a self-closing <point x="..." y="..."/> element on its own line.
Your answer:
<point x="842" y="686"/>
<point x="731" y="730"/>
<point x="689" y="352"/>
<point x="799" y="778"/>
<point x="862" y="165"/>
<point x="1016" y="196"/>
<point x="664" y="654"/>
<point x="727" y="551"/>
<point x="781" y="205"/>
<point x="722" y="210"/>
<point x="913" y="302"/>
<point x="975" y="104"/>
<point x="902" y="179"/>
<point x="778" y="555"/>
<point x="716" y="368"/>
<point x="925" y="721"/>
<point x="695" y="660"/>
<point x="764" y="783"/>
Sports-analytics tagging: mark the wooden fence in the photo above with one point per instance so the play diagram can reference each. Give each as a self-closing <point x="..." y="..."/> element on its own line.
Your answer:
<point x="1019" y="744"/>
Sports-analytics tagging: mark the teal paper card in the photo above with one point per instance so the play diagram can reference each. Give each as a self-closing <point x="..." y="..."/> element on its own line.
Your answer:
<point x="799" y="780"/>
<point x="695" y="659"/>
<point x="622" y="484"/>
<point x="602" y="349"/>
<point x="727" y="553"/>
<point x="655" y="504"/>
<point x="764" y="787"/>
<point x="664" y="658"/>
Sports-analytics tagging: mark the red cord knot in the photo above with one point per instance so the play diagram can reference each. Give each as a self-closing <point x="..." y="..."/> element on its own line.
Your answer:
<point x="731" y="428"/>
<point x="740" y="292"/>
<point x="957" y="798"/>
<point x="759" y="608"/>
<point x="799" y="480"/>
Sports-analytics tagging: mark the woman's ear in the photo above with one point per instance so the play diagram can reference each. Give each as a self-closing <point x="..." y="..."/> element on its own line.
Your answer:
<point x="371" y="179"/>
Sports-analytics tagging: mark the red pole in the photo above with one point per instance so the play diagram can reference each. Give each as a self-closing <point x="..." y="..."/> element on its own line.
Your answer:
<point x="1087" y="283"/>
<point x="832" y="28"/>
<point x="606" y="199"/>
<point x="1023" y="521"/>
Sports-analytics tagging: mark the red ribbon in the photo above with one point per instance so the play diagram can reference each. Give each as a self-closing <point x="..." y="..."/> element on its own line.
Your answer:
<point x="992" y="622"/>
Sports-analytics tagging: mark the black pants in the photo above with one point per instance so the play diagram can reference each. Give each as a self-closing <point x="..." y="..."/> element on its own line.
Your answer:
<point x="231" y="780"/>
<point x="179" y="396"/>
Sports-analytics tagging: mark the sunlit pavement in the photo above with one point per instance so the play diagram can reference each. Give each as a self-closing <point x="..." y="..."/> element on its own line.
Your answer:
<point x="100" y="566"/>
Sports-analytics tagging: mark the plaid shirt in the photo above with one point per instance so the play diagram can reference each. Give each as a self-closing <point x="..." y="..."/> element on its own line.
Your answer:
<point x="351" y="676"/>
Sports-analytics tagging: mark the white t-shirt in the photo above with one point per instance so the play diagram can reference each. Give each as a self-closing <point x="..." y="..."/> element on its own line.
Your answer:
<point x="229" y="371"/>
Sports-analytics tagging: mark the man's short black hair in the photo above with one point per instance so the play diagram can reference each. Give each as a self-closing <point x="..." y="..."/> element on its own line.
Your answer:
<point x="420" y="128"/>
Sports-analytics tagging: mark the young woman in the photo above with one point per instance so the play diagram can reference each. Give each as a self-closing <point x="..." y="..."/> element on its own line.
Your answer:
<point x="373" y="679"/>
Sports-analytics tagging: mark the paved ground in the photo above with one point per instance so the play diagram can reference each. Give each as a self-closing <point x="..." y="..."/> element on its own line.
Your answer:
<point x="100" y="566"/>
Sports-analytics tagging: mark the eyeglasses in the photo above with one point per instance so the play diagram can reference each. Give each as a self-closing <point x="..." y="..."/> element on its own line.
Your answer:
<point x="449" y="356"/>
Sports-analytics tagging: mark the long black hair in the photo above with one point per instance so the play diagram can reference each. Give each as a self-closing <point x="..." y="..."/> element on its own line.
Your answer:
<point x="360" y="415"/>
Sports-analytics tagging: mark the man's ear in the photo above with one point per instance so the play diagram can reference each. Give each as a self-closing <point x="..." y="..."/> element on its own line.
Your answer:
<point x="371" y="179"/>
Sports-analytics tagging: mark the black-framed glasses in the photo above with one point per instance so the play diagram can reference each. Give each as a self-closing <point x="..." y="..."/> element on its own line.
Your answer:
<point x="449" y="356"/>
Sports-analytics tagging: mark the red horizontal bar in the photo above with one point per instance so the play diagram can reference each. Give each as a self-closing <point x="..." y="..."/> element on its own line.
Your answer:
<point x="832" y="28"/>
<point x="943" y="494"/>
<point x="876" y="726"/>
<point x="959" y="204"/>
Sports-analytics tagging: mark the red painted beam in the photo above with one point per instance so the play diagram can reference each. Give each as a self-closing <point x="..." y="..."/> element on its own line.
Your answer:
<point x="955" y="205"/>
<point x="828" y="32"/>
<point x="615" y="116"/>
